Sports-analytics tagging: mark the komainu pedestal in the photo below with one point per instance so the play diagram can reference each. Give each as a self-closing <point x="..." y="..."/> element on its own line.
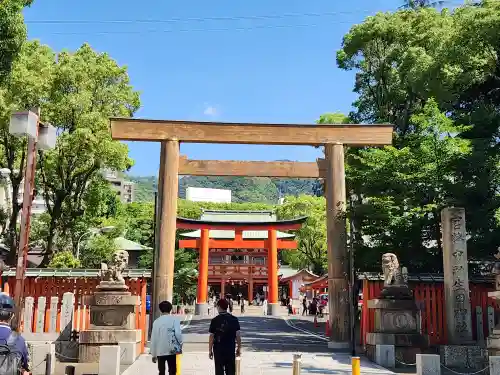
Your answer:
<point x="397" y="316"/>
<point x="112" y="319"/>
<point x="493" y="341"/>
<point x="397" y="322"/>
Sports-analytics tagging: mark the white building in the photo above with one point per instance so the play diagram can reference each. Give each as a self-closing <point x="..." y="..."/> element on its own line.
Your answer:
<point x="195" y="194"/>
<point x="125" y="189"/>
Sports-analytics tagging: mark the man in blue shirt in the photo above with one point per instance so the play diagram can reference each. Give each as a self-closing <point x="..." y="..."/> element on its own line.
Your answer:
<point x="8" y="336"/>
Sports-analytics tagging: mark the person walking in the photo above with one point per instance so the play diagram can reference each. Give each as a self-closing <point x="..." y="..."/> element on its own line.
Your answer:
<point x="14" y="357"/>
<point x="166" y="340"/>
<point x="304" y="306"/>
<point x="224" y="344"/>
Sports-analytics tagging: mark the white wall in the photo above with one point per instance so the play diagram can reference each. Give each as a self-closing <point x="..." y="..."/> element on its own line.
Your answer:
<point x="208" y="195"/>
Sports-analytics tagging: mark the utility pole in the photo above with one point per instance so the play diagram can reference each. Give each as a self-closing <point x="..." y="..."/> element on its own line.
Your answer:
<point x="22" y="250"/>
<point x="39" y="136"/>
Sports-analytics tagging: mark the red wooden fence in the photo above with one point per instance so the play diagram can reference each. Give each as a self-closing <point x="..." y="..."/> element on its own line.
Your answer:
<point x="57" y="286"/>
<point x="431" y="296"/>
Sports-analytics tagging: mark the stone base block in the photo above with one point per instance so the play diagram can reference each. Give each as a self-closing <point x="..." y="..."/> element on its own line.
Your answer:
<point x="339" y="345"/>
<point x="395" y="316"/>
<point x="109" y="360"/>
<point x="105" y="337"/>
<point x="464" y="356"/>
<point x="428" y="364"/>
<point x="402" y="354"/>
<point x="91" y="341"/>
<point x="67" y="351"/>
<point x="38" y="352"/>
<point x="128" y="352"/>
<point x="201" y="309"/>
<point x="406" y="345"/>
<point x="110" y="299"/>
<point x="90" y="353"/>
<point x="398" y="339"/>
<point x="493" y="343"/>
<point x="273" y="309"/>
<point x="494" y="365"/>
<point x="385" y="355"/>
<point x="112" y="317"/>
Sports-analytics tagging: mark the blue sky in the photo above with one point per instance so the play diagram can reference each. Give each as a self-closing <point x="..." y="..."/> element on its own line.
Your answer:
<point x="218" y="61"/>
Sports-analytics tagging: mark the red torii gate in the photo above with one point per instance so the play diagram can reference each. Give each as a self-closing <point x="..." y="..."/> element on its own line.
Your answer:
<point x="272" y="244"/>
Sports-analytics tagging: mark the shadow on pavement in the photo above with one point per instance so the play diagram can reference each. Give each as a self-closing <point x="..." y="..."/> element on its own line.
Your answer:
<point x="310" y="369"/>
<point x="261" y="334"/>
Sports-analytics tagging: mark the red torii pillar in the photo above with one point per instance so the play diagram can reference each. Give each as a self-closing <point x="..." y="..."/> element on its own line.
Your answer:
<point x="201" y="307"/>
<point x="272" y="272"/>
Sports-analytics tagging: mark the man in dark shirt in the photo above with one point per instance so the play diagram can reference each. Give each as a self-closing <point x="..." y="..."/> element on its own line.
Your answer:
<point x="225" y="340"/>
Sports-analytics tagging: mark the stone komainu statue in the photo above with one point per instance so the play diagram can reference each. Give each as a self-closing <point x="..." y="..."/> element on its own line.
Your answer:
<point x="395" y="283"/>
<point x="391" y="270"/>
<point x="113" y="271"/>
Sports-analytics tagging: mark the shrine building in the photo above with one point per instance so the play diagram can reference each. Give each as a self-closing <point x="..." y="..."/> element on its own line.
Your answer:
<point x="239" y="253"/>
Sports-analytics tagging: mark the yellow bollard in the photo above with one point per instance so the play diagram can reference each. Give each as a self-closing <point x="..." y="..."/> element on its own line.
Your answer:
<point x="238" y="365"/>
<point x="178" y="364"/>
<point x="297" y="360"/>
<point x="356" y="365"/>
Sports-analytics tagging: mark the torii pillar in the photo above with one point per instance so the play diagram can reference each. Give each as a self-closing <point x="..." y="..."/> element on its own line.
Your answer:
<point x="273" y="307"/>
<point x="201" y="307"/>
<point x="169" y="186"/>
<point x="338" y="295"/>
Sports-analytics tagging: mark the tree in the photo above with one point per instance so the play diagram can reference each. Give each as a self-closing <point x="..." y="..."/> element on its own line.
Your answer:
<point x="87" y="89"/>
<point x="98" y="250"/>
<point x="416" y="4"/>
<point x="64" y="259"/>
<point x="139" y="223"/>
<point x="312" y="250"/>
<point x="404" y="60"/>
<point x="324" y="119"/>
<point x="401" y="192"/>
<point x="185" y="272"/>
<point x="25" y="87"/>
<point x="12" y="33"/>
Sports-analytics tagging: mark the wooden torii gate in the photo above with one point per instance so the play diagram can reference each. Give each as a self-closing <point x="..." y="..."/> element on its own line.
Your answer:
<point x="332" y="137"/>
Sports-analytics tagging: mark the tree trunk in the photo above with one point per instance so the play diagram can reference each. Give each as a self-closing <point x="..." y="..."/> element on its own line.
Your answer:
<point x="12" y="232"/>
<point x="50" y="243"/>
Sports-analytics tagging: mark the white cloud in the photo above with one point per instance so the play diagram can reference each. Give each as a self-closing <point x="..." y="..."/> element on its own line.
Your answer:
<point x="210" y="110"/>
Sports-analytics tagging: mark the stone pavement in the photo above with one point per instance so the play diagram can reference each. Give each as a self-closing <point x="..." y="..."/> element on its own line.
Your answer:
<point x="261" y="363"/>
<point x="268" y="347"/>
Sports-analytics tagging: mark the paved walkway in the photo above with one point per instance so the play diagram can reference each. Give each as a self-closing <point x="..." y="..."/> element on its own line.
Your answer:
<point x="261" y="363"/>
<point x="268" y="347"/>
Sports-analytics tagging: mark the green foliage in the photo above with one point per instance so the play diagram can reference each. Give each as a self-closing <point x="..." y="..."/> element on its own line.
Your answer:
<point x="26" y="87"/>
<point x="416" y="4"/>
<point x="333" y="118"/>
<point x="64" y="259"/>
<point x="99" y="249"/>
<point x="145" y="188"/>
<point x="312" y="250"/>
<point x="434" y="75"/>
<point x="12" y="33"/>
<point x="87" y="89"/>
<point x="139" y="223"/>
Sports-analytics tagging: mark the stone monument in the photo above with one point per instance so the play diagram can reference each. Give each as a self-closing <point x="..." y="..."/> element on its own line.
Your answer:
<point x="461" y="352"/>
<point x="493" y="341"/>
<point x="397" y="317"/>
<point x="112" y="315"/>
